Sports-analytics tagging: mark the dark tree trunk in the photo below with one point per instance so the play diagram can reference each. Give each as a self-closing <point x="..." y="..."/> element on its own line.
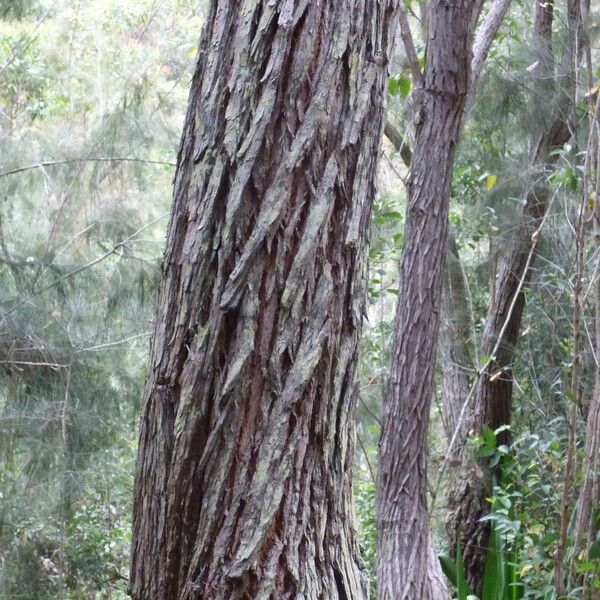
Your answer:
<point x="243" y="479"/>
<point x="490" y="405"/>
<point x="491" y="402"/>
<point x="403" y="533"/>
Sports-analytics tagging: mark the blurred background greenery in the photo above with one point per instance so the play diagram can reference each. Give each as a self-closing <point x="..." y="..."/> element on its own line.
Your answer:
<point x="84" y="85"/>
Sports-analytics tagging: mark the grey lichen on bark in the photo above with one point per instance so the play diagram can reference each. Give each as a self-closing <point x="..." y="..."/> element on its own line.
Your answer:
<point x="243" y="478"/>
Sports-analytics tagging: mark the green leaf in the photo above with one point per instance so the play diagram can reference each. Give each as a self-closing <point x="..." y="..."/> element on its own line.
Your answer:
<point x="393" y="86"/>
<point x="494" y="575"/>
<point x="586" y="567"/>
<point x="514" y="587"/>
<point x="405" y="86"/>
<point x="448" y="568"/>
<point x="462" y="587"/>
<point x="489" y="437"/>
<point x="595" y="550"/>
<point x="455" y="572"/>
<point x="399" y="85"/>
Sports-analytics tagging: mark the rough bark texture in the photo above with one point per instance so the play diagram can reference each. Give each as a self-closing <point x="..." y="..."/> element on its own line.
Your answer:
<point x="403" y="532"/>
<point x="243" y="479"/>
<point x="492" y="398"/>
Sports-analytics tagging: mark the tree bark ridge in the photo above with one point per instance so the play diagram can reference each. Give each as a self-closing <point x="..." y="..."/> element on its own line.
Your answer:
<point x="243" y="479"/>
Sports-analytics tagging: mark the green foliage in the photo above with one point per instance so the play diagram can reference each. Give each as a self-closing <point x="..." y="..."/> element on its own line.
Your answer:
<point x="399" y="85"/>
<point x="80" y="247"/>
<point x="455" y="571"/>
<point x="503" y="567"/>
<point x="364" y="502"/>
<point x="16" y="9"/>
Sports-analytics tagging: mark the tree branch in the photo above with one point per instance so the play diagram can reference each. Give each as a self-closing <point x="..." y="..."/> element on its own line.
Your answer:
<point x="485" y="37"/>
<point x="397" y="139"/>
<point x="409" y="46"/>
<point x="52" y="163"/>
<point x="483" y="42"/>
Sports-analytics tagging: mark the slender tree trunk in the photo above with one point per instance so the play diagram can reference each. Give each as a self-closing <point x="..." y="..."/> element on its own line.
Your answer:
<point x="491" y="402"/>
<point x="243" y="478"/>
<point x="589" y="496"/>
<point x="454" y="359"/>
<point x="403" y="532"/>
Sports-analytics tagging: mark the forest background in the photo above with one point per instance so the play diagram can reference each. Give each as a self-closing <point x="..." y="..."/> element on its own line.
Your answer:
<point x="92" y="100"/>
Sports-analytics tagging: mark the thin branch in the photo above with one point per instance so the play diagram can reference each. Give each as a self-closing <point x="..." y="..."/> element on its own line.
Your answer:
<point x="86" y="266"/>
<point x="485" y="37"/>
<point x="393" y="168"/>
<point x="52" y="163"/>
<point x="27" y="363"/>
<point x="409" y="46"/>
<point x="114" y="344"/>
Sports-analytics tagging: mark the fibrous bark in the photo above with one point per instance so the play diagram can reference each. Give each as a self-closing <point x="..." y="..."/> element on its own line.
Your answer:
<point x="243" y="479"/>
<point x="403" y="533"/>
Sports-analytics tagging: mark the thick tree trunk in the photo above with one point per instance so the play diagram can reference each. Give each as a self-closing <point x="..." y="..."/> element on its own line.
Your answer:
<point x="403" y="532"/>
<point x="243" y="479"/>
<point x="491" y="401"/>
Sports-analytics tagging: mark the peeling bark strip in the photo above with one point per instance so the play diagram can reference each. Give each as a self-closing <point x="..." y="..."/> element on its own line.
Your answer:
<point x="243" y="479"/>
<point x="402" y="478"/>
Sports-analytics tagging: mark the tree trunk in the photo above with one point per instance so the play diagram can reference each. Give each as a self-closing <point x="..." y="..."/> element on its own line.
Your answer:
<point x="243" y="479"/>
<point x="491" y="401"/>
<point x="586" y="522"/>
<point x="454" y="360"/>
<point x="490" y="405"/>
<point x="403" y="532"/>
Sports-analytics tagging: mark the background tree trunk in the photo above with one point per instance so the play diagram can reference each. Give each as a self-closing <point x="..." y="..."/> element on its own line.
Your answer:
<point x="491" y="402"/>
<point x="243" y="479"/>
<point x="403" y="532"/>
<point x="586" y="522"/>
<point x="454" y="359"/>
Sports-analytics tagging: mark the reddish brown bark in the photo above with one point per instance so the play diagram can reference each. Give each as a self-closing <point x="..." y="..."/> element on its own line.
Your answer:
<point x="243" y="479"/>
<point x="403" y="533"/>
